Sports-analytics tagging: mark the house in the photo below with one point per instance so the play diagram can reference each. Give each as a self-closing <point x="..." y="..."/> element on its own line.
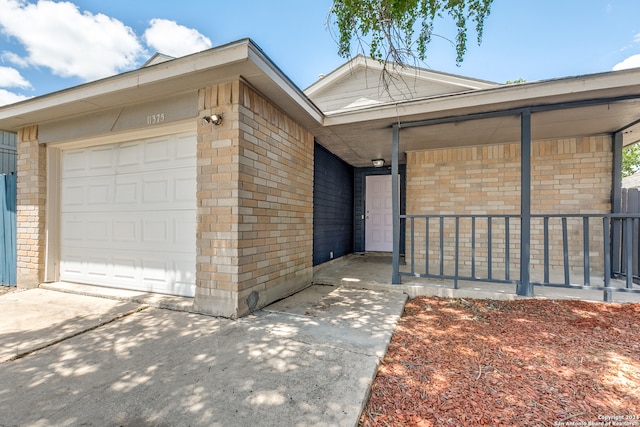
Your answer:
<point x="213" y="176"/>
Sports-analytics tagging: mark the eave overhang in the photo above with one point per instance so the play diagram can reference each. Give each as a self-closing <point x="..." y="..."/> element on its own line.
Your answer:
<point x="238" y="60"/>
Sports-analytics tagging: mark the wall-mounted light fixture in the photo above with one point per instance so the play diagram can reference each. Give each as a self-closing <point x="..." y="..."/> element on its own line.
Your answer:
<point x="377" y="163"/>
<point x="215" y="119"/>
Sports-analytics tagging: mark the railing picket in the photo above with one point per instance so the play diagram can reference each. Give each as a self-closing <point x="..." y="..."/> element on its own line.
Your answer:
<point x="565" y="250"/>
<point x="607" y="259"/>
<point x="629" y="250"/>
<point x="426" y="261"/>
<point x="413" y="240"/>
<point x="489" y="248"/>
<point x="457" y="267"/>
<point x="473" y="246"/>
<point x="585" y="239"/>
<point x="507" y="259"/>
<point x="442" y="246"/>
<point x="546" y="249"/>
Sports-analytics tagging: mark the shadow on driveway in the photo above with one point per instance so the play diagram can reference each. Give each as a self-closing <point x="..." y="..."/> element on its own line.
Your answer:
<point x="304" y="363"/>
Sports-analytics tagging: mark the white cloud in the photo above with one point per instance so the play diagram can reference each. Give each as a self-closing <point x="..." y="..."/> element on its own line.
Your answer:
<point x="7" y="97"/>
<point x="70" y="43"/>
<point x="10" y="77"/>
<point x="631" y="62"/>
<point x="175" y="40"/>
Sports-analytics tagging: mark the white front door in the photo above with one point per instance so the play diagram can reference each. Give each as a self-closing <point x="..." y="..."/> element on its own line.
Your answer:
<point x="378" y="235"/>
<point x="128" y="215"/>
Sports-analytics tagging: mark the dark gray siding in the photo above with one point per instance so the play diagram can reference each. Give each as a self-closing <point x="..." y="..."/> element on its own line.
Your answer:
<point x="332" y="206"/>
<point x="359" y="202"/>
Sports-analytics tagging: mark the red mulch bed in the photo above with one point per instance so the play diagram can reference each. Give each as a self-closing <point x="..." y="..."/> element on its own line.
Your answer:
<point x="509" y="363"/>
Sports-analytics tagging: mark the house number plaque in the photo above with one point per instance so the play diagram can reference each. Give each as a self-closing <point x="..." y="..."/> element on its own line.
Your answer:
<point x="154" y="119"/>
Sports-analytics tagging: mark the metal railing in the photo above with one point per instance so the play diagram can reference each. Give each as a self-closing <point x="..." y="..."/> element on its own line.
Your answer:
<point x="486" y="248"/>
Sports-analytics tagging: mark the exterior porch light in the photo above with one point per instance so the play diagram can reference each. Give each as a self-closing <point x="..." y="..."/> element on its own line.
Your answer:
<point x="377" y="163"/>
<point x="215" y="119"/>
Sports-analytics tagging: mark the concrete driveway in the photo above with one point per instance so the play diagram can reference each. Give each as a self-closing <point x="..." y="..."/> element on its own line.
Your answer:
<point x="70" y="360"/>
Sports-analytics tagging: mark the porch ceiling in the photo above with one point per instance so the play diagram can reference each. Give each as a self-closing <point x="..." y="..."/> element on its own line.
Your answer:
<point x="579" y="107"/>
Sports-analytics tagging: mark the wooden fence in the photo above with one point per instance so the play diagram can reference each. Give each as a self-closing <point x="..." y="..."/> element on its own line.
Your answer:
<point x="8" y="249"/>
<point x="630" y="205"/>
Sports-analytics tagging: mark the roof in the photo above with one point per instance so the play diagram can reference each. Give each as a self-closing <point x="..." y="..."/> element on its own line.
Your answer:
<point x="632" y="181"/>
<point x="157" y="58"/>
<point x="468" y="112"/>
<point x="364" y="82"/>
<point x="241" y="59"/>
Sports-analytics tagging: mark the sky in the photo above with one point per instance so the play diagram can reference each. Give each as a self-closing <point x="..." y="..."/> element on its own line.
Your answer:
<point x="47" y="45"/>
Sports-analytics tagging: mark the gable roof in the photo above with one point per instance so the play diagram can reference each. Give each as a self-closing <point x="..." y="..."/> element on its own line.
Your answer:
<point x="361" y="82"/>
<point x="242" y="59"/>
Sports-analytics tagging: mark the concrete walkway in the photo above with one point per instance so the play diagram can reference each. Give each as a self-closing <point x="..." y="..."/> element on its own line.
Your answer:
<point x="307" y="360"/>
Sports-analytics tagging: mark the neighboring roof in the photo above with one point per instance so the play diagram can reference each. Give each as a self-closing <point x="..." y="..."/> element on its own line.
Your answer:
<point x="632" y="181"/>
<point x="361" y="82"/>
<point x="241" y="59"/>
<point x="157" y="58"/>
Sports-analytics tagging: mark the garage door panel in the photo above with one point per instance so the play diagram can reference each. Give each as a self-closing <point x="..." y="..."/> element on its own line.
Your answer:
<point x="95" y="161"/>
<point x="87" y="194"/>
<point x="128" y="215"/>
<point x="167" y="231"/>
<point x="131" y="270"/>
<point x="101" y="161"/>
<point x="158" y="151"/>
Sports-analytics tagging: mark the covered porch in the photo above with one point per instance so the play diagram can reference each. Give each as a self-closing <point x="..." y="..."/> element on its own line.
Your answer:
<point x="373" y="271"/>
<point x="528" y="244"/>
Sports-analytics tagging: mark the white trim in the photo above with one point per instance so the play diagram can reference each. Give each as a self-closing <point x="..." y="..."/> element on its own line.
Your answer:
<point x="52" y="219"/>
<point x="128" y="135"/>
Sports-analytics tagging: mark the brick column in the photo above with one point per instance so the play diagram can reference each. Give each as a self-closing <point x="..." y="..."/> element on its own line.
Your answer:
<point x="31" y="208"/>
<point x="255" y="203"/>
<point x="217" y="198"/>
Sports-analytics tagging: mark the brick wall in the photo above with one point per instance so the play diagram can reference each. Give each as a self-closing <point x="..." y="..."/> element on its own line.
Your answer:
<point x="255" y="203"/>
<point x="31" y="206"/>
<point x="568" y="176"/>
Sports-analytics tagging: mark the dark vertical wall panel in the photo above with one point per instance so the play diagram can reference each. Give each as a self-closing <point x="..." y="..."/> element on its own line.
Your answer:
<point x="359" y="202"/>
<point x="332" y="206"/>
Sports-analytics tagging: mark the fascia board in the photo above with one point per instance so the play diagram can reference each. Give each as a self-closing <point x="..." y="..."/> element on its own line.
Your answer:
<point x="268" y="68"/>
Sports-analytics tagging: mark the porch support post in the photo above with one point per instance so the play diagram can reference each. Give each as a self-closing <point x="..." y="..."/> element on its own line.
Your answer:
<point x="616" y="201"/>
<point x="525" y="288"/>
<point x="395" y="278"/>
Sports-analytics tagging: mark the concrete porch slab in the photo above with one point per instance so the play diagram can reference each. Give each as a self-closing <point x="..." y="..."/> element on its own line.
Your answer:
<point x="373" y="271"/>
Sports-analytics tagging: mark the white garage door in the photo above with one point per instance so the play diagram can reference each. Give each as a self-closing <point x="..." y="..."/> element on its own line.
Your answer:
<point x="128" y="215"/>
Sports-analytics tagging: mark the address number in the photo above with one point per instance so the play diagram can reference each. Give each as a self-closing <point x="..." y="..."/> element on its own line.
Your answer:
<point x="154" y="119"/>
